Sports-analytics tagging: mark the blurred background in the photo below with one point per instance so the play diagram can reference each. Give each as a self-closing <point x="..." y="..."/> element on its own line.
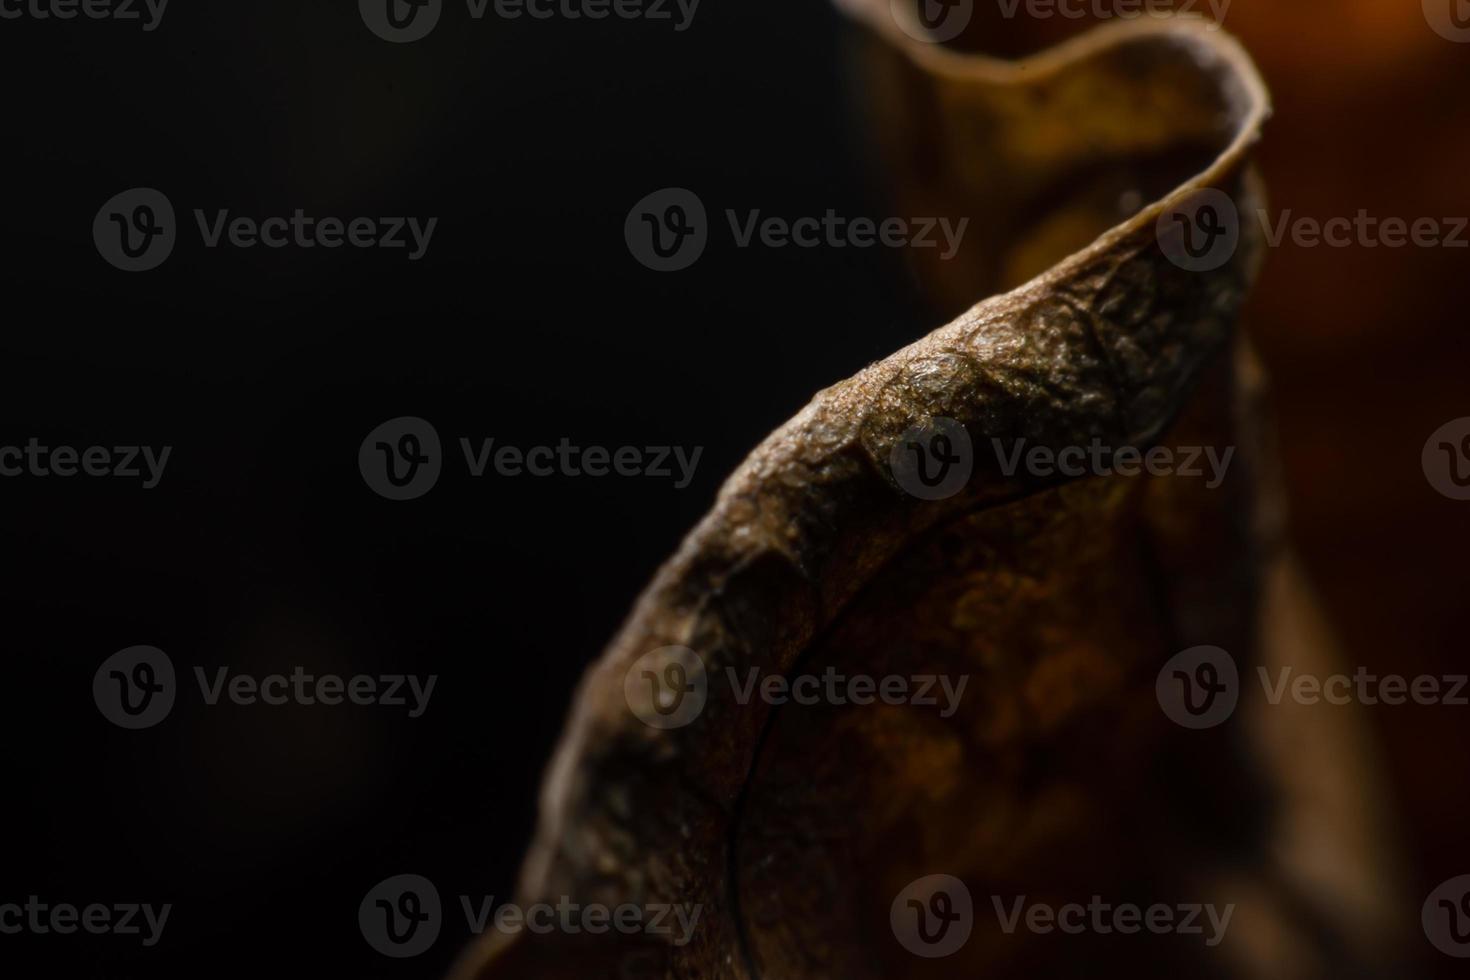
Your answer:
<point x="528" y="321"/>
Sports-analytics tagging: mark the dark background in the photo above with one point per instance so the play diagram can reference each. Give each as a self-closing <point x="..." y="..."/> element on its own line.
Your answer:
<point x="528" y="321"/>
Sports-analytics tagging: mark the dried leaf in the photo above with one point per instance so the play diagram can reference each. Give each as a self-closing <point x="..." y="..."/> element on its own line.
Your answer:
<point x="795" y="828"/>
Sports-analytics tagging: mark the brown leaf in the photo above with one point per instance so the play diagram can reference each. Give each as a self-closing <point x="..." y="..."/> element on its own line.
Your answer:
<point x="795" y="828"/>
